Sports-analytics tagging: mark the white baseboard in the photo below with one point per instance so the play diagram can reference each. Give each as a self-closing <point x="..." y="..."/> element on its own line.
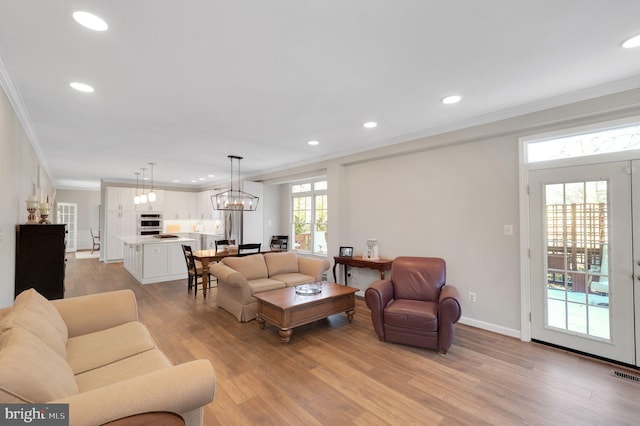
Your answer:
<point x="491" y="327"/>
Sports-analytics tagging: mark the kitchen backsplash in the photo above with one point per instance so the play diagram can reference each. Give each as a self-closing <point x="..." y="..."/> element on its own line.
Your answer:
<point x="201" y="226"/>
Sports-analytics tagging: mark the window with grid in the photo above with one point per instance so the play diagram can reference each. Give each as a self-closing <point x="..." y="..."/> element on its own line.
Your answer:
<point x="309" y="217"/>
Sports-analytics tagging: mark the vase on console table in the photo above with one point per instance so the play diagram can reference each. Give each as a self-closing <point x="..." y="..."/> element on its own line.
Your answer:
<point x="372" y="249"/>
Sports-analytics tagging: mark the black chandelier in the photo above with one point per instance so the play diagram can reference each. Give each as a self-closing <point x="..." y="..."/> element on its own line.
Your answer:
<point x="235" y="198"/>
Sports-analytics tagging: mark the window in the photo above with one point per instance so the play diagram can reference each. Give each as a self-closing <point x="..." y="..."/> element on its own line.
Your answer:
<point x="309" y="217"/>
<point x="584" y="143"/>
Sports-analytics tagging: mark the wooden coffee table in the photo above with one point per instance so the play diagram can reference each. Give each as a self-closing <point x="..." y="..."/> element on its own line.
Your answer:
<point x="286" y="309"/>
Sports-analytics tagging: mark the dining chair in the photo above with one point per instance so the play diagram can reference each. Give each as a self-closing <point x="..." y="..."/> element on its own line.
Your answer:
<point x="245" y="249"/>
<point x="95" y="239"/>
<point x="224" y="243"/>
<point x="279" y="242"/>
<point x="194" y="269"/>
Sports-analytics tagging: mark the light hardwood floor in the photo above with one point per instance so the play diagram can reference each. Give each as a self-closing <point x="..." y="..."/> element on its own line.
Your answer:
<point x="337" y="373"/>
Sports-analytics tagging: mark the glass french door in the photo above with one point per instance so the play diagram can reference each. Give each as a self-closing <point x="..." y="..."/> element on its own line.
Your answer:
<point x="582" y="258"/>
<point x="67" y="213"/>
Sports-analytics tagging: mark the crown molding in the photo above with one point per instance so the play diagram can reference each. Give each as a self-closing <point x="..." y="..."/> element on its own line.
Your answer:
<point x="15" y="99"/>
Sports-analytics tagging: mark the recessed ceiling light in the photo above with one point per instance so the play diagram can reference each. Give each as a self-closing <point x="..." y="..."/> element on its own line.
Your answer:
<point x="313" y="143"/>
<point x="454" y="99"/>
<point x="176" y="181"/>
<point x="212" y="176"/>
<point x="90" y="21"/>
<point x="370" y="124"/>
<point x="81" y="87"/>
<point x="194" y="181"/>
<point x="200" y="178"/>
<point x="632" y="42"/>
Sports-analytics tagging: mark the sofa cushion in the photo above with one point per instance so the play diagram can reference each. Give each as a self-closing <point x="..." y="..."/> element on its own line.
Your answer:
<point x="125" y="369"/>
<point x="31" y="371"/>
<point x="97" y="349"/>
<point x="281" y="263"/>
<point x="37" y="315"/>
<point x="415" y="314"/>
<point x="293" y="279"/>
<point x="265" y="284"/>
<point x="251" y="267"/>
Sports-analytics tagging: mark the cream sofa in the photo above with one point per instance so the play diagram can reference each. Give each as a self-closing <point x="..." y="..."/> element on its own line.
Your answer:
<point x="239" y="278"/>
<point x="92" y="353"/>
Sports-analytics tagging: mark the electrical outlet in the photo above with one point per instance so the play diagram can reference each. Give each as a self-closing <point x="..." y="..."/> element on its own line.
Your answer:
<point x="353" y="277"/>
<point x="472" y="297"/>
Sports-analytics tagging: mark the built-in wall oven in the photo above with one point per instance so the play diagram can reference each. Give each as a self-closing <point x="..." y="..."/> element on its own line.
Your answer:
<point x="149" y="224"/>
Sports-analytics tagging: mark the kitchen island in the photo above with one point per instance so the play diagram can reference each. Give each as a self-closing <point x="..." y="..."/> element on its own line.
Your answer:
<point x="152" y="259"/>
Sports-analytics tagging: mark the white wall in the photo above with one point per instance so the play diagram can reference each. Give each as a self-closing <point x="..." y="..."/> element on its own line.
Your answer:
<point x="449" y="202"/>
<point x="253" y="221"/>
<point x="276" y="206"/>
<point x="19" y="167"/>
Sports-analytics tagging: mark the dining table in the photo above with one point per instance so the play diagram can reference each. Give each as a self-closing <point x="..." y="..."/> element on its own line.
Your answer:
<point x="208" y="256"/>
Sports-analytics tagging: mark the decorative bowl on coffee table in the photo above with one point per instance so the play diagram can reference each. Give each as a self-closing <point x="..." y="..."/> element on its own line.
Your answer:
<point x="309" y="289"/>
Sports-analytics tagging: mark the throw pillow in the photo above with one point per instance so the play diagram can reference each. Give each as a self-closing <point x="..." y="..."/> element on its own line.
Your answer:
<point x="32" y="372"/>
<point x="36" y="314"/>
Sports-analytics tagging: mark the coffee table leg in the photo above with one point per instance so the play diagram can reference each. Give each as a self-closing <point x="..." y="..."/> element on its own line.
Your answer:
<point x="261" y="322"/>
<point x="285" y="334"/>
<point x="350" y="313"/>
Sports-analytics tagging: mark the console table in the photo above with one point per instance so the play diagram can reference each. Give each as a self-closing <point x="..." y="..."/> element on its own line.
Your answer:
<point x="381" y="265"/>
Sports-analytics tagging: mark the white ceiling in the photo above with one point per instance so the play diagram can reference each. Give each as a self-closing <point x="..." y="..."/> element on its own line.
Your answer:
<point x="186" y="83"/>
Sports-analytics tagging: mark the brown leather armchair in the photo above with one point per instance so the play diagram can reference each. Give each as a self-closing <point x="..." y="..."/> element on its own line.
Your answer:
<point x="415" y="306"/>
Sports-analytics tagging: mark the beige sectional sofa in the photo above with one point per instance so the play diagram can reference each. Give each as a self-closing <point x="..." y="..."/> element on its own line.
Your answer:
<point x="92" y="353"/>
<point x="239" y="278"/>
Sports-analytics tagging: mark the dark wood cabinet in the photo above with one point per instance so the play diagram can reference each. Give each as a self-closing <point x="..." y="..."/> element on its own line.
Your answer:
<point x="40" y="259"/>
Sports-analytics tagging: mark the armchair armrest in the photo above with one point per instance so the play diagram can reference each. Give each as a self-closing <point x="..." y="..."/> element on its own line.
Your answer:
<point x="95" y="312"/>
<point x="449" y="304"/>
<point x="377" y="297"/>
<point x="449" y="312"/>
<point x="180" y="389"/>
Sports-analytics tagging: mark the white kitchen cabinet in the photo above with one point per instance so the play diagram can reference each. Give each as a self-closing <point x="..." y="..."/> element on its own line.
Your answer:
<point x="195" y="245"/>
<point x="205" y="209"/>
<point x="209" y="241"/>
<point x="180" y="205"/>
<point x="133" y="259"/>
<point x="118" y="224"/>
<point x="155" y="260"/>
<point x="152" y="260"/>
<point x="120" y="220"/>
<point x="120" y="198"/>
<point x="156" y="206"/>
<point x="163" y="261"/>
